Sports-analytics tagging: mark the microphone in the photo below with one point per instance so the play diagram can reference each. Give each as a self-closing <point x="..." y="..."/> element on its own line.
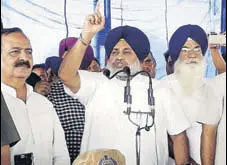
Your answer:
<point x="127" y="91"/>
<point x="126" y="69"/>
<point x="106" y="73"/>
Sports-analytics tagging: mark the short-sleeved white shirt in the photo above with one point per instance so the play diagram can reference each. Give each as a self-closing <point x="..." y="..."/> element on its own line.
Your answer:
<point x="200" y="107"/>
<point x="106" y="126"/>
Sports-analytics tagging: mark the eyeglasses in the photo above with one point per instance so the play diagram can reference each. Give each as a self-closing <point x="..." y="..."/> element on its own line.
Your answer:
<point x="193" y="50"/>
<point x="149" y="62"/>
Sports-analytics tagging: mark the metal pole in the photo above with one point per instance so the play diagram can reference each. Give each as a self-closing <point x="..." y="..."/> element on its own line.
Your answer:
<point x="223" y="21"/>
<point x="100" y="38"/>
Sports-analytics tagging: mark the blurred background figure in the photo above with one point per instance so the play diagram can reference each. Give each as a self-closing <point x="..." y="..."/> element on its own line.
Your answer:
<point x="149" y="65"/>
<point x="88" y="63"/>
<point x="52" y="65"/>
<point x="94" y="66"/>
<point x="38" y="79"/>
<point x="70" y="110"/>
<point x="40" y="70"/>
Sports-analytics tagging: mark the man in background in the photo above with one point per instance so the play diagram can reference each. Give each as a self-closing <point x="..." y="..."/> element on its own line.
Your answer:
<point x="70" y="110"/>
<point x="149" y="65"/>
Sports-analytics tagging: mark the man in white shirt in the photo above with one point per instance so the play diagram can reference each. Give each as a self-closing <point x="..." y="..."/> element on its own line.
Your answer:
<point x="106" y="124"/>
<point x="186" y="49"/>
<point x="219" y="84"/>
<point x="42" y="137"/>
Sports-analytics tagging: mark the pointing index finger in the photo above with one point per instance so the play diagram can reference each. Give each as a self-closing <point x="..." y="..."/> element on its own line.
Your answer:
<point x="97" y="8"/>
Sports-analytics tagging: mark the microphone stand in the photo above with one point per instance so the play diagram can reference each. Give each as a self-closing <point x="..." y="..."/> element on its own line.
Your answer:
<point x="151" y="102"/>
<point x="128" y="100"/>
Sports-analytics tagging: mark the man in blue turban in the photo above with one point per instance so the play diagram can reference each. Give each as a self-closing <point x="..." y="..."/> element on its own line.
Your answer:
<point x="126" y="46"/>
<point x="180" y="37"/>
<point x="187" y="48"/>
<point x="106" y="126"/>
<point x="52" y="65"/>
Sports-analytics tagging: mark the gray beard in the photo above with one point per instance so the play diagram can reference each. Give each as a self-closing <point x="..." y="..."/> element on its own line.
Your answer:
<point x="134" y="68"/>
<point x="190" y="75"/>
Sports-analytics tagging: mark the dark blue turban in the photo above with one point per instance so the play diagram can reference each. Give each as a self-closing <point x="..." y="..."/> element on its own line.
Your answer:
<point x="53" y="63"/>
<point x="182" y="34"/>
<point x="133" y="36"/>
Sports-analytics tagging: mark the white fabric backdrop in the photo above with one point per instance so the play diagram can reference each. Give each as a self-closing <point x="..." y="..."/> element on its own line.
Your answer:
<point x="43" y="21"/>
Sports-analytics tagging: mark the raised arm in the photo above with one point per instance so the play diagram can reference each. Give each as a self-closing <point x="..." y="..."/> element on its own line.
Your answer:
<point x="68" y="71"/>
<point x="218" y="60"/>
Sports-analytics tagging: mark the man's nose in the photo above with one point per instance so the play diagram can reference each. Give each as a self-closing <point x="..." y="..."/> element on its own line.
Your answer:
<point x="120" y="56"/>
<point x="192" y="54"/>
<point x="25" y="55"/>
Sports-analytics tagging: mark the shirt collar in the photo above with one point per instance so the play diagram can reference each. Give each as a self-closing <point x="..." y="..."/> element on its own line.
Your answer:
<point x="12" y="91"/>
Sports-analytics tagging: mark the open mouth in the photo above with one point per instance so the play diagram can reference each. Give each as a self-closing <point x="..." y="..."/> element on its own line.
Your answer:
<point x="191" y="62"/>
<point x="119" y="65"/>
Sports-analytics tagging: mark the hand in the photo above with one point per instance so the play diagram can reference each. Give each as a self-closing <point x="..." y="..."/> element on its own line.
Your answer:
<point x="214" y="46"/>
<point x="42" y="87"/>
<point x="224" y="33"/>
<point x="93" y="24"/>
<point x="218" y="45"/>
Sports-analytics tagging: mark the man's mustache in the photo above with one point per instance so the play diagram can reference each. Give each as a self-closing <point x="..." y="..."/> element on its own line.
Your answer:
<point x="22" y="63"/>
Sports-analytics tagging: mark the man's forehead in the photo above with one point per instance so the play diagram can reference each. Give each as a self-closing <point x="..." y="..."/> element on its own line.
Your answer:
<point x="191" y="43"/>
<point x="15" y="40"/>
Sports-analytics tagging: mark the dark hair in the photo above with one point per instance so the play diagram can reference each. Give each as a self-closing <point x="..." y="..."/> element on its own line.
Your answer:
<point x="39" y="66"/>
<point x="166" y="55"/>
<point x="153" y="57"/>
<point x="1" y="24"/>
<point x="97" y="60"/>
<point x="6" y="31"/>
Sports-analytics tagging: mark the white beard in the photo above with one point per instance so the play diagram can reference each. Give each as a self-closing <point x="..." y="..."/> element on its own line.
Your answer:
<point x="134" y="68"/>
<point x="189" y="75"/>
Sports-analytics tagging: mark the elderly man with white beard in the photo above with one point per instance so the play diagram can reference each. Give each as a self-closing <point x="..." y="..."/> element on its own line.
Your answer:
<point x="106" y="126"/>
<point x="187" y="47"/>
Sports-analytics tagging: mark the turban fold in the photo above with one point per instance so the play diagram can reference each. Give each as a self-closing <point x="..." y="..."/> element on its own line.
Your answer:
<point x="182" y="34"/>
<point x="67" y="44"/>
<point x="138" y="41"/>
<point x="53" y="63"/>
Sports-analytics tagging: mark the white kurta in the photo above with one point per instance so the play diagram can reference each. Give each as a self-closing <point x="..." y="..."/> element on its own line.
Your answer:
<point x="106" y="126"/>
<point x="200" y="107"/>
<point x="220" y="86"/>
<point x="38" y="126"/>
